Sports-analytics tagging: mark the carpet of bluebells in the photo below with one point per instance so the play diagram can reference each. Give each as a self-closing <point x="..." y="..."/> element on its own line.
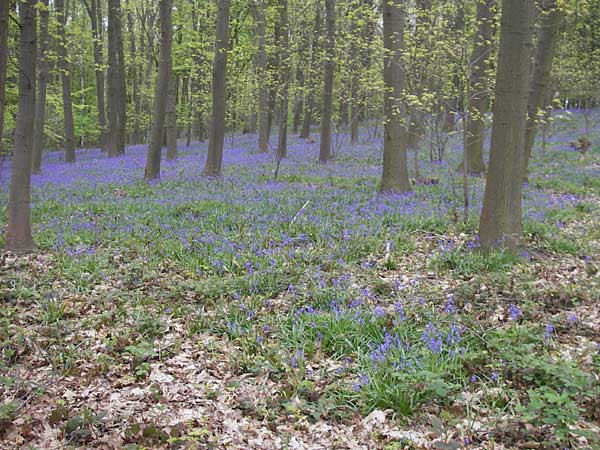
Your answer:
<point x="303" y="312"/>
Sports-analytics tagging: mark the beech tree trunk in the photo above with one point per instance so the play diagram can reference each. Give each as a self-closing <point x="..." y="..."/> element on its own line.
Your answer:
<point x="135" y="81"/>
<point x="94" y="11"/>
<point x="65" y="75"/>
<point x="5" y="7"/>
<point x="395" y="141"/>
<point x="551" y="18"/>
<point x="479" y="103"/>
<point x="258" y="12"/>
<point x="171" y="116"/>
<point x="284" y="80"/>
<point x="116" y="82"/>
<point x="500" y="224"/>
<point x="314" y="57"/>
<point x="214" y="158"/>
<point x="299" y="102"/>
<point x="42" y="83"/>
<point x="160" y="92"/>
<point x="18" y="231"/>
<point x="329" y="64"/>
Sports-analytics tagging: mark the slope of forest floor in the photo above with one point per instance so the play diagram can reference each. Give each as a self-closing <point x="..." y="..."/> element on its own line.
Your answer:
<point x="303" y="313"/>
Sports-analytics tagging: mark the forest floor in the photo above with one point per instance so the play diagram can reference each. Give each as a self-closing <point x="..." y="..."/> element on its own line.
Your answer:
<point x="303" y="313"/>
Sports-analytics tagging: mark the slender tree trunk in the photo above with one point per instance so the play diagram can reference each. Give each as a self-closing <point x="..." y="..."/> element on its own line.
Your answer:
<point x="115" y="142"/>
<point x="314" y="55"/>
<point x="65" y="75"/>
<point x="94" y="11"/>
<point x="122" y="105"/>
<point x="325" y="143"/>
<point x="161" y="92"/>
<point x="185" y="94"/>
<point x="395" y="141"/>
<point x="544" y="56"/>
<point x="500" y="224"/>
<point x="284" y="67"/>
<point x="135" y="81"/>
<point x="40" y="104"/>
<point x="479" y="104"/>
<point x="18" y="231"/>
<point x="354" y="105"/>
<point x="214" y="157"/>
<point x="5" y="7"/>
<point x="171" y="117"/>
<point x="299" y="103"/>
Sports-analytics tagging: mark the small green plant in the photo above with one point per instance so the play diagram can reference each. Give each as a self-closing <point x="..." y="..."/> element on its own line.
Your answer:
<point x="53" y="310"/>
<point x="546" y="407"/>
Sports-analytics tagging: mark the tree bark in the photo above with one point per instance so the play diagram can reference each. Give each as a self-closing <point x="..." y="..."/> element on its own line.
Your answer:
<point x="171" y="116"/>
<point x="214" y="158"/>
<point x="18" y="231"/>
<point x="161" y="92"/>
<point x="299" y="102"/>
<point x="314" y="55"/>
<point x="258" y="12"/>
<point x="116" y="82"/>
<point x="551" y="18"/>
<point x="479" y="104"/>
<point x="5" y="8"/>
<point x="500" y="224"/>
<point x="65" y="75"/>
<point x="284" y="80"/>
<point x="325" y="143"/>
<point x="135" y="81"/>
<point x="94" y="11"/>
<point x="395" y="142"/>
<point x="40" y="104"/>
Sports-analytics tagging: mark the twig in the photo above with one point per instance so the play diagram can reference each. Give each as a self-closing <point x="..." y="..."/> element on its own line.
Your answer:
<point x="299" y="212"/>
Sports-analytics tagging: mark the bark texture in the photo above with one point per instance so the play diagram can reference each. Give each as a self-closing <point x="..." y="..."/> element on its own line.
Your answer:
<point x="42" y="83"/>
<point x="216" y="140"/>
<point x="18" y="230"/>
<point x="116" y="82"/>
<point x="94" y="11"/>
<point x="395" y="140"/>
<point x="284" y="80"/>
<point x="160" y="92"/>
<point x="551" y="18"/>
<point x="479" y="103"/>
<point x="258" y="12"/>
<point x="500" y="224"/>
<point x="329" y="65"/>
<point x="314" y="57"/>
<point x="5" y="7"/>
<point x="65" y="76"/>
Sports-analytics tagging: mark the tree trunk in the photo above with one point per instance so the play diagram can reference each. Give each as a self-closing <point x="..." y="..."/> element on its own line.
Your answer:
<point x="40" y="104"/>
<point x="160" y="93"/>
<point x="299" y="103"/>
<point x="314" y="55"/>
<point x="214" y="158"/>
<point x="479" y="104"/>
<point x="94" y="11"/>
<point x="500" y="224"/>
<point x="65" y="75"/>
<point x="171" y="117"/>
<point x="135" y="81"/>
<point x="552" y="17"/>
<point x="325" y="143"/>
<point x="18" y="231"/>
<point x="284" y="80"/>
<point x="395" y="141"/>
<point x="5" y="8"/>
<point x="116" y="78"/>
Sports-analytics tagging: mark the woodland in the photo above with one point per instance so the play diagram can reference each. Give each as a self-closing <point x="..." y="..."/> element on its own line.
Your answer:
<point x="316" y="224"/>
